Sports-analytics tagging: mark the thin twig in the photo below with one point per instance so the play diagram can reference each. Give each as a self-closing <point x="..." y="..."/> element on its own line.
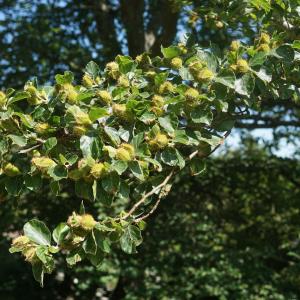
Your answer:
<point x="30" y="149"/>
<point x="144" y="198"/>
<point x="151" y="211"/>
<point x="162" y="185"/>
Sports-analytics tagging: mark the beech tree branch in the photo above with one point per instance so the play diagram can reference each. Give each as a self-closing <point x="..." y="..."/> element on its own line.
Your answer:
<point x="105" y="18"/>
<point x="132" y="14"/>
<point x="162" y="26"/>
<point x="146" y="196"/>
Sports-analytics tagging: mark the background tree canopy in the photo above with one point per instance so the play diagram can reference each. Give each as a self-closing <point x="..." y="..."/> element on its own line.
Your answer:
<point x="230" y="234"/>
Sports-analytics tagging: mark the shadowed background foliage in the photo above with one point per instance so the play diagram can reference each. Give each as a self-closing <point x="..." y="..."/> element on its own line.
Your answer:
<point x="231" y="234"/>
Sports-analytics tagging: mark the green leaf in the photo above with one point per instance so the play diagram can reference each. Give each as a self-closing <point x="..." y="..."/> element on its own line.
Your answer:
<point x="170" y="52"/>
<point x="168" y="123"/>
<point x="245" y="85"/>
<point x="97" y="259"/>
<point x="38" y="273"/>
<point x="136" y="170"/>
<point x="50" y="144"/>
<point x="84" y="190"/>
<point x="25" y="119"/>
<point x="197" y="166"/>
<point x="97" y="112"/>
<point x="119" y="166"/>
<point x="18" y="140"/>
<point x="286" y="52"/>
<point x="264" y="4"/>
<point x="103" y="243"/>
<point x="264" y="75"/>
<point x="60" y="232"/>
<point x="200" y="115"/>
<point x="18" y="97"/>
<point x="33" y="183"/>
<point x="14" y="185"/>
<point x="113" y="135"/>
<point x="209" y="58"/>
<point x="74" y="257"/>
<point x="37" y="232"/>
<point x="89" y="245"/>
<point x="111" y="183"/>
<point x="130" y="239"/>
<point x="126" y="64"/>
<point x="181" y="137"/>
<point x="226" y="78"/>
<point x="67" y="77"/>
<point x="258" y="59"/>
<point x="86" y="145"/>
<point x="296" y="44"/>
<point x="58" y="172"/>
<point x="172" y="157"/>
<point x="102" y="196"/>
<point x="92" y="69"/>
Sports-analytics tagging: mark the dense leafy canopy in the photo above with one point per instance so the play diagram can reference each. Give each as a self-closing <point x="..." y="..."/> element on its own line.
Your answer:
<point x="231" y="233"/>
<point x="121" y="135"/>
<point x="47" y="37"/>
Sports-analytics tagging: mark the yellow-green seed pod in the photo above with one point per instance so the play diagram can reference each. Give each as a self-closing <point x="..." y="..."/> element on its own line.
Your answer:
<point x="129" y="148"/>
<point x="98" y="170"/>
<point x="166" y="87"/>
<point x="104" y="96"/>
<point x="205" y="75"/>
<point x="235" y="45"/>
<point x="43" y="163"/>
<point x="112" y="66"/>
<point x="87" y="222"/>
<point x="264" y="38"/>
<point x="157" y="100"/>
<point x="191" y="94"/>
<point x="70" y="93"/>
<point x="42" y="128"/>
<point x="121" y="112"/>
<point x="176" y="63"/>
<point x="82" y="118"/>
<point x="219" y="24"/>
<point x="119" y="109"/>
<point x="30" y="254"/>
<point x="3" y="99"/>
<point x="143" y="59"/>
<point x="11" y="170"/>
<point x="242" y="66"/>
<point x="123" y="81"/>
<point x="79" y="130"/>
<point x="87" y="81"/>
<point x="113" y="70"/>
<point x="158" y="111"/>
<point x="74" y="220"/>
<point x="182" y="48"/>
<point x="150" y="74"/>
<point x="264" y="48"/>
<point x="123" y="154"/>
<point x="233" y="67"/>
<point x="159" y="142"/>
<point x="195" y="67"/>
<point x="20" y="242"/>
<point x="34" y="95"/>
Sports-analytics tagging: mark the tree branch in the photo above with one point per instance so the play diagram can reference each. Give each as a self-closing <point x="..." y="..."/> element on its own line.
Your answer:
<point x="132" y="12"/>
<point x="146" y="196"/>
<point x="105" y="17"/>
<point x="162" y="26"/>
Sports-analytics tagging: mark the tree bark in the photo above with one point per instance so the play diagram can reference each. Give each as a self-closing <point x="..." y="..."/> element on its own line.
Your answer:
<point x="132" y="15"/>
